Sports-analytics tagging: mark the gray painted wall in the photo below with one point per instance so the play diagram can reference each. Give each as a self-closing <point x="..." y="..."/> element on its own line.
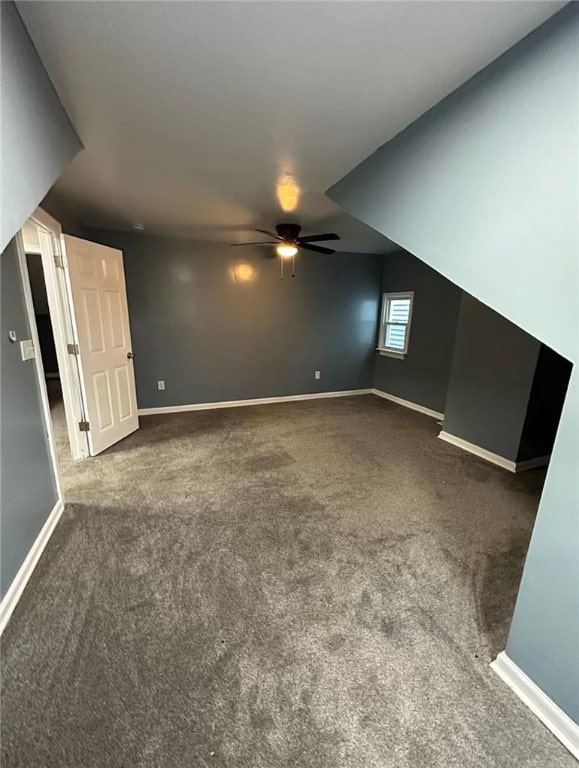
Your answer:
<point x="37" y="137"/>
<point x="28" y="492"/>
<point x="213" y="337"/>
<point x="422" y="377"/>
<point x="544" y="634"/>
<point x="37" y="142"/>
<point x="485" y="185"/>
<point x="490" y="382"/>
<point x="484" y="188"/>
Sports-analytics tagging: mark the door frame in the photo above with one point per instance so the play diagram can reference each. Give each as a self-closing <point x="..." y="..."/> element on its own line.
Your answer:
<point x="53" y="254"/>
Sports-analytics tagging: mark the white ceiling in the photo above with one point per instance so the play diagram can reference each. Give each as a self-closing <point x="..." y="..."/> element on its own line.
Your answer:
<point x="191" y="113"/>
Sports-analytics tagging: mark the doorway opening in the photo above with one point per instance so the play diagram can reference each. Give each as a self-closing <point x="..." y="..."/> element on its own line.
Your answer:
<point x="51" y="321"/>
<point x="78" y="314"/>
<point x="46" y="346"/>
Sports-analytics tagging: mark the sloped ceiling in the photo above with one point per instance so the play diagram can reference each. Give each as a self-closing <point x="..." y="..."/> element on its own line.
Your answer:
<point x="206" y="119"/>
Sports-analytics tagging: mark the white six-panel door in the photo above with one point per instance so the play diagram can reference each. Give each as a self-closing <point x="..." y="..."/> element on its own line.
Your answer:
<point x="99" y="299"/>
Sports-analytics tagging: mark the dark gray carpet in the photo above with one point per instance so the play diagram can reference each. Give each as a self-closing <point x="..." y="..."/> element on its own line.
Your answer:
<point x="317" y="584"/>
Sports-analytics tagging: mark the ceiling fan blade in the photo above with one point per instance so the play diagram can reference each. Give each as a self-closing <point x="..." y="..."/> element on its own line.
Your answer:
<point x="318" y="238"/>
<point x="269" y="242"/>
<point x="269" y="234"/>
<point x="316" y="248"/>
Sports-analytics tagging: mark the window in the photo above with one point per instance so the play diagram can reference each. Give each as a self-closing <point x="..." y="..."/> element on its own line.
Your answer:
<point x="395" y="323"/>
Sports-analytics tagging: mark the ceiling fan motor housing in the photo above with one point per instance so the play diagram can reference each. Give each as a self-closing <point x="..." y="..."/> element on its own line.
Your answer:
<point x="289" y="232"/>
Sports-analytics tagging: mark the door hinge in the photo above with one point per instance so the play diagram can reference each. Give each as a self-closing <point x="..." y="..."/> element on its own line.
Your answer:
<point x="72" y="349"/>
<point x="58" y="260"/>
<point x="83" y="426"/>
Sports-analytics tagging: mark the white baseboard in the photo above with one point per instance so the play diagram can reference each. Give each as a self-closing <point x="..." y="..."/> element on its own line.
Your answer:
<point x="493" y="458"/>
<point x="253" y="401"/>
<point x="482" y="453"/>
<point x="408" y="404"/>
<point x="540" y="461"/>
<point x="550" y="714"/>
<point x="15" y="590"/>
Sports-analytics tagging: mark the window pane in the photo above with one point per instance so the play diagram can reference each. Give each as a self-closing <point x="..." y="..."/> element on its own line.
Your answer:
<point x="395" y="336"/>
<point x="398" y="310"/>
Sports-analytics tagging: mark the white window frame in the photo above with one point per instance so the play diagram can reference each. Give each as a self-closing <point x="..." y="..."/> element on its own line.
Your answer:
<point x="382" y="348"/>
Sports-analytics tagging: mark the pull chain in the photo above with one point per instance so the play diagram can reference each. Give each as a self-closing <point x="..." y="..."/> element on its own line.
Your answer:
<point x="294" y="265"/>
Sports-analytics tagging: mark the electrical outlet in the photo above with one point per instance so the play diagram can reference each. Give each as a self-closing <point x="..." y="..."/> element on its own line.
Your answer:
<point x="317" y="375"/>
<point x="161" y="384"/>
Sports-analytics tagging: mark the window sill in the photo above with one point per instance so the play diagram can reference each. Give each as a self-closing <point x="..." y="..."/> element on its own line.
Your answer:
<point x="391" y="353"/>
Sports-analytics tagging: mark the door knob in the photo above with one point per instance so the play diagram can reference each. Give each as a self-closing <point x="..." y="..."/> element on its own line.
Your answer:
<point x="130" y="355"/>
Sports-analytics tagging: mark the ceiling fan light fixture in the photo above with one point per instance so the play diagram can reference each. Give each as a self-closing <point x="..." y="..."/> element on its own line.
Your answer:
<point x="286" y="250"/>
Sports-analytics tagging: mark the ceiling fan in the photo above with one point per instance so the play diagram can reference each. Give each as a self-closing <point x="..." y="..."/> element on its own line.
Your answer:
<point x="287" y="240"/>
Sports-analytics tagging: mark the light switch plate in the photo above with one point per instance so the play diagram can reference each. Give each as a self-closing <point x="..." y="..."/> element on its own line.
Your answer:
<point x="161" y="384"/>
<point x="27" y="349"/>
<point x="317" y="374"/>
